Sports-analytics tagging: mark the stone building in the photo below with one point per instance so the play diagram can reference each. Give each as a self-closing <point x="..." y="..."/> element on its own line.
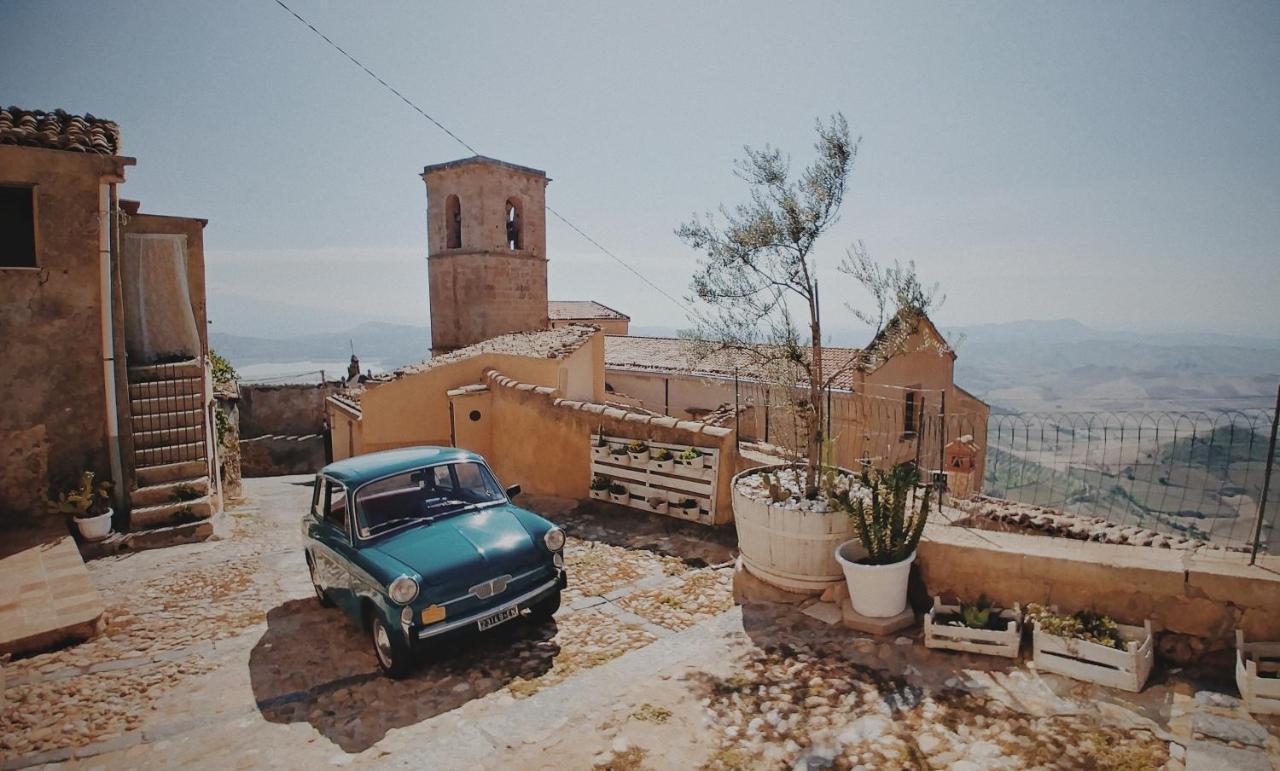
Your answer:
<point x="103" y="365"/>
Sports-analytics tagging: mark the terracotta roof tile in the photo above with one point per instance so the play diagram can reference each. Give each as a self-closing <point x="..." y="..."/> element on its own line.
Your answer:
<point x="58" y="130"/>
<point x="564" y="310"/>
<point x="542" y="344"/>
<point x="678" y="356"/>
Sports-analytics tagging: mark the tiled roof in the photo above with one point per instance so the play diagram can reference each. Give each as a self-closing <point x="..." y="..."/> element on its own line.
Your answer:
<point x="563" y="310"/>
<point x="542" y="344"/>
<point x="58" y="130"/>
<point x="689" y="357"/>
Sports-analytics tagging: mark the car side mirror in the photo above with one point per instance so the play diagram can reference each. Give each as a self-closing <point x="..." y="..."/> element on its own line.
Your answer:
<point x="513" y="491"/>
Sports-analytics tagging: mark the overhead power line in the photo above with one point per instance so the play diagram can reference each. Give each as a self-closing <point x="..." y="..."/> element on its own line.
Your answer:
<point x="461" y="141"/>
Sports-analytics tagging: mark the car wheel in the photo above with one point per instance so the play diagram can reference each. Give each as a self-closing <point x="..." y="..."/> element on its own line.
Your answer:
<point x="545" y="609"/>
<point x="393" y="654"/>
<point x="320" y="595"/>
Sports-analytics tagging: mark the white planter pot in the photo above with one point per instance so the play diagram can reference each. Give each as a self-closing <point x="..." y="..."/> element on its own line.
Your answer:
<point x="95" y="528"/>
<point x="659" y="507"/>
<point x="623" y="498"/>
<point x="1126" y="669"/>
<point x="600" y="495"/>
<point x="661" y="465"/>
<point x="600" y="452"/>
<point x="995" y="642"/>
<point x="639" y="457"/>
<point x="697" y="462"/>
<point x="875" y="591"/>
<point x="621" y="460"/>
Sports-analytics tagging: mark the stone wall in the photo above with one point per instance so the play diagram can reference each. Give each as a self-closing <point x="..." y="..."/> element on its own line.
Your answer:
<point x="293" y="409"/>
<point x="274" y="455"/>
<point x="479" y="295"/>
<point x="53" y="419"/>
<point x="1194" y="602"/>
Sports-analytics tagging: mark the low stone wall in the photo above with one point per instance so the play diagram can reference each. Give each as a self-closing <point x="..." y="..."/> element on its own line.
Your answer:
<point x="292" y="410"/>
<point x="274" y="455"/>
<point x="1194" y="602"/>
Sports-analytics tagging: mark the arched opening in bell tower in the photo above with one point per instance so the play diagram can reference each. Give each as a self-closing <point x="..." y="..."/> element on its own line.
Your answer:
<point x="515" y="224"/>
<point x="453" y="222"/>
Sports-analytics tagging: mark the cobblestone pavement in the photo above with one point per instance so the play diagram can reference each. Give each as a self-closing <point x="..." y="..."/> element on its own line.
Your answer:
<point x="218" y="656"/>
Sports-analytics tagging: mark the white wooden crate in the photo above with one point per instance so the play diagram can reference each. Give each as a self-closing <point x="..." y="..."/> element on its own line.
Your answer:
<point x="1261" y="694"/>
<point x="646" y="479"/>
<point x="1126" y="669"/>
<point x="993" y="642"/>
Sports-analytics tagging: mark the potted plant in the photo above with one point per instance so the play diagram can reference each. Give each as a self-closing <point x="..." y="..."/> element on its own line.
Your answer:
<point x="1258" y="675"/>
<point x="1091" y="646"/>
<point x="618" y="493"/>
<point x="689" y="508"/>
<point x="638" y="450"/>
<point x="619" y="455"/>
<point x="877" y="563"/>
<point x="657" y="504"/>
<point x="692" y="457"/>
<point x="89" y="505"/>
<point x="661" y="459"/>
<point x="599" y="447"/>
<point x="600" y="487"/>
<point x="977" y="627"/>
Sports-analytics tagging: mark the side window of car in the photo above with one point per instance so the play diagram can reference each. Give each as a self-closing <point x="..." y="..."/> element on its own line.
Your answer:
<point x="316" y="487"/>
<point x="441" y="478"/>
<point x="335" y="505"/>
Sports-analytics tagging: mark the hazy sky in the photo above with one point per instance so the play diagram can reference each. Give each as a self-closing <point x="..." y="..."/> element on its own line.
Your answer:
<point x="1113" y="162"/>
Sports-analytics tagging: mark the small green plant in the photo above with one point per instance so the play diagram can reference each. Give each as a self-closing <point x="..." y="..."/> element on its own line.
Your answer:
<point x="637" y="446"/>
<point x="617" y="489"/>
<point x="1082" y="625"/>
<point x="976" y="615"/>
<point x="84" y="500"/>
<point x="690" y="454"/>
<point x="662" y="453"/>
<point x="599" y="482"/>
<point x="890" y="525"/>
<point x="222" y="371"/>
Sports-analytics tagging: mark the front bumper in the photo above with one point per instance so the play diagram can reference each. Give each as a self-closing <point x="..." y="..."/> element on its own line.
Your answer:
<point x="531" y="597"/>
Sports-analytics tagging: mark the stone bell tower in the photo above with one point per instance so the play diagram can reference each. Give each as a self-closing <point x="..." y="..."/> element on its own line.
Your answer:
<point x="486" y="250"/>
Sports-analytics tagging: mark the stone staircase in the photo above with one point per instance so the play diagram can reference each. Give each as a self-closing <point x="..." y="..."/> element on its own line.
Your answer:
<point x="169" y="453"/>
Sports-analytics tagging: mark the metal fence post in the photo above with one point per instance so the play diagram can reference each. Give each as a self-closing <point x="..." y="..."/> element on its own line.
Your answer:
<point x="1266" y="481"/>
<point x="737" y="421"/>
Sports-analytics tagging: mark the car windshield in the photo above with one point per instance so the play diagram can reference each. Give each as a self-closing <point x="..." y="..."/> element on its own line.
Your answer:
<point x="424" y="494"/>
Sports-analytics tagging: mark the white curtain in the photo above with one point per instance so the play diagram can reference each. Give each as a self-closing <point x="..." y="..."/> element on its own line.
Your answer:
<point x="159" y="321"/>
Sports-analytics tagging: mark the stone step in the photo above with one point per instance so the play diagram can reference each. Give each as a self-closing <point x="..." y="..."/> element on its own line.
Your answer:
<point x="168" y="437"/>
<point x="171" y="472"/>
<point x="174" y="453"/>
<point x="156" y="405"/>
<point x="147" y="372"/>
<point x="174" y="419"/>
<point x="171" y="492"/>
<point x="165" y="514"/>
<point x="173" y="387"/>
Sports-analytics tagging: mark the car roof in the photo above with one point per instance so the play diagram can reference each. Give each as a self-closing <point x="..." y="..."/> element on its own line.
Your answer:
<point x="364" y="468"/>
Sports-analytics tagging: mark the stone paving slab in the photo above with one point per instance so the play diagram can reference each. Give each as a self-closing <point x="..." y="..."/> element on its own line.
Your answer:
<point x="46" y="597"/>
<point x="1211" y="756"/>
<point x="1229" y="729"/>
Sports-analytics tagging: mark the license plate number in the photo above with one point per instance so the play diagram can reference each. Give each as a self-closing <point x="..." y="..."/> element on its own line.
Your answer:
<point x="506" y="614"/>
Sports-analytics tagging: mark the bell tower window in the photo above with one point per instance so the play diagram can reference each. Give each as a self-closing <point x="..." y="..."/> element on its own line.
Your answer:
<point x="453" y="222"/>
<point x="515" y="224"/>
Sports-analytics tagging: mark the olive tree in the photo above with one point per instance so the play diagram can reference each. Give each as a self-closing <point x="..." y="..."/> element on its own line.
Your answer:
<point x="758" y="272"/>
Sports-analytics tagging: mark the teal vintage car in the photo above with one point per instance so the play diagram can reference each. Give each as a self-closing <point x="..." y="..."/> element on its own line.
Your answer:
<point x="416" y="542"/>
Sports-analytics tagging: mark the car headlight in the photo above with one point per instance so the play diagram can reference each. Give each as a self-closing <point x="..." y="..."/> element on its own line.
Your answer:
<point x="554" y="539"/>
<point x="403" y="590"/>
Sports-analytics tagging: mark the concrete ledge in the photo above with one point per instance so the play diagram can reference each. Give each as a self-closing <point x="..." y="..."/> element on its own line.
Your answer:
<point x="1178" y="592"/>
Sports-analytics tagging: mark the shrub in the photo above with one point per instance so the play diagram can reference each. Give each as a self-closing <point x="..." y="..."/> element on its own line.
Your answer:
<point x="223" y="372"/>
<point x="1082" y="625"/>
<point x="617" y="489"/>
<point x="691" y="453"/>
<point x="890" y="525"/>
<point x="599" y="482"/>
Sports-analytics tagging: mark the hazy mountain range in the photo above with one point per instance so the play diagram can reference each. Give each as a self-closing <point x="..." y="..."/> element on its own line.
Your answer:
<point x="1016" y="366"/>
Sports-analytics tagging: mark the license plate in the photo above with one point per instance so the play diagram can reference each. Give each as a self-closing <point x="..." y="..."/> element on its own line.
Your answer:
<point x="506" y="614"/>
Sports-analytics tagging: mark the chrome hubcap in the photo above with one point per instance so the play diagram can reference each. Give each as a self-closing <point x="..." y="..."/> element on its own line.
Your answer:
<point x="382" y="643"/>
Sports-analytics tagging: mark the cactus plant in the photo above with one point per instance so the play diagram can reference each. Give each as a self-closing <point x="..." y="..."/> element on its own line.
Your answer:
<point x="890" y="525"/>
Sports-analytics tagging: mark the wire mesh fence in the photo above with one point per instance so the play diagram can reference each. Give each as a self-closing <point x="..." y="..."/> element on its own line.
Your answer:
<point x="1195" y="474"/>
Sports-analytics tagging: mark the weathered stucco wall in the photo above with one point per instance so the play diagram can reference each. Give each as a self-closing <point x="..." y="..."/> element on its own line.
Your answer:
<point x="547" y="440"/>
<point x="53" y="422"/>
<point x="1183" y="595"/>
<point x="142" y="223"/>
<point x="295" y="409"/>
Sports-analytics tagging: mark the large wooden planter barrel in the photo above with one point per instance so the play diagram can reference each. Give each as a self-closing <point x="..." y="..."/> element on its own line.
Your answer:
<point x="789" y="548"/>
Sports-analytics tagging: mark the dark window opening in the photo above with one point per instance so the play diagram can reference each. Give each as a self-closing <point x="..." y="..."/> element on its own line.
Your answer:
<point x="909" y="413"/>
<point x="453" y="222"/>
<point x="515" y="225"/>
<point x="17" y="227"/>
<point x="475" y="415"/>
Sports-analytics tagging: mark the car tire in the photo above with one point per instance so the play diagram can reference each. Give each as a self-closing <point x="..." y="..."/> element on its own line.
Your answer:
<point x="545" y="609"/>
<point x="320" y="595"/>
<point x="395" y="658"/>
